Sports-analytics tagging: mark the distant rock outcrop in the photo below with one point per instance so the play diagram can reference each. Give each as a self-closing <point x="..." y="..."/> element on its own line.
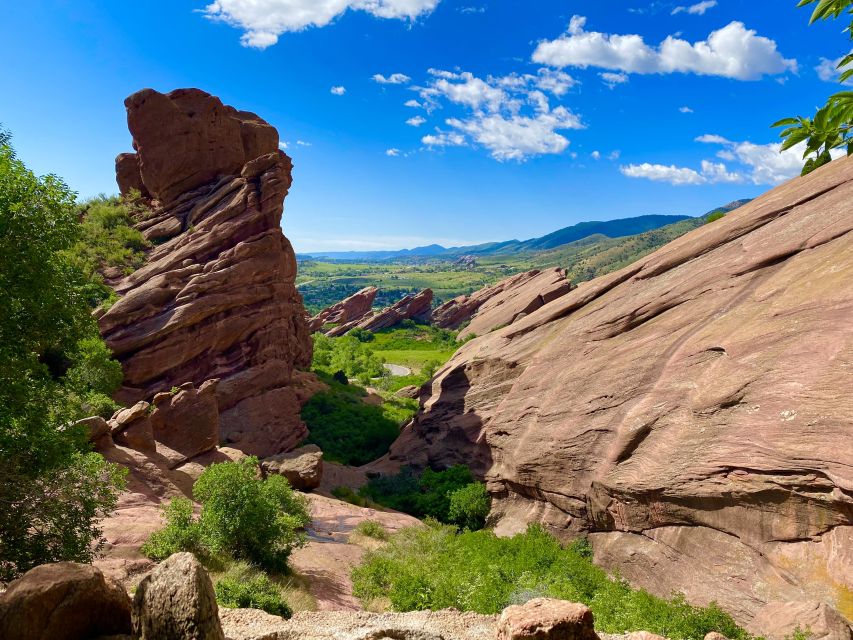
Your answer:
<point x="501" y="304"/>
<point x="216" y="297"/>
<point x="692" y="413"/>
<point x="416" y="307"/>
<point x="349" y="310"/>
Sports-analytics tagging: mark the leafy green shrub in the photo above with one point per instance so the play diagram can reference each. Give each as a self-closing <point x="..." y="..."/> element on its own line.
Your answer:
<point x="348" y="354"/>
<point x="469" y="506"/>
<point x="427" y="495"/>
<point x="54" y="369"/>
<point x="348" y="430"/>
<point x="434" y="567"/>
<point x="362" y="335"/>
<point x="371" y="529"/>
<point x="244" y="587"/>
<point x="713" y="217"/>
<point x="348" y="495"/>
<point x="242" y="516"/>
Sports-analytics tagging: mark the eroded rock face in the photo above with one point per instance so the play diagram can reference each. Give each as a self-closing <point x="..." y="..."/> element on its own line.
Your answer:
<point x="303" y="467"/>
<point x="216" y="297"/>
<point x="780" y="620"/>
<point x="351" y="309"/>
<point x="177" y="602"/>
<point x="416" y="307"/>
<point x="63" y="601"/>
<point x="503" y="303"/>
<point x="691" y="411"/>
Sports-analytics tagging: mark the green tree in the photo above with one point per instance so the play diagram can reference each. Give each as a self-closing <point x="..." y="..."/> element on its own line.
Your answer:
<point x="832" y="126"/>
<point x="54" y="369"/>
<point x="469" y="506"/>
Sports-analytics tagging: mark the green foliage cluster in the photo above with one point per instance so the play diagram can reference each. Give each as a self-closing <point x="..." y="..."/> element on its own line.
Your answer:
<point x="451" y="496"/>
<point x="54" y="369"/>
<point x="832" y="125"/>
<point x="350" y="431"/>
<point x="371" y="529"/>
<point x="242" y="517"/>
<point x="713" y="217"/>
<point x="347" y="354"/>
<point x="434" y="567"/>
<point x="244" y="587"/>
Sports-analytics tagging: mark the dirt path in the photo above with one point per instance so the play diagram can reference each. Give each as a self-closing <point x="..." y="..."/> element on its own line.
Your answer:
<point x="398" y="371"/>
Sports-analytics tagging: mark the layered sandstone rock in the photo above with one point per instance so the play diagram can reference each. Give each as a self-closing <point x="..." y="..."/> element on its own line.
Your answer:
<point x="503" y="303"/>
<point x="416" y="307"/>
<point x="693" y="411"/>
<point x="216" y="297"/>
<point x="350" y="309"/>
<point x="303" y="467"/>
<point x="546" y="619"/>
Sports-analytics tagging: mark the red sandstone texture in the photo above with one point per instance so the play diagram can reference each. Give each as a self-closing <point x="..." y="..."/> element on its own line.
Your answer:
<point x="416" y="307"/>
<point x="349" y="310"/>
<point x="216" y="298"/>
<point x="692" y="412"/>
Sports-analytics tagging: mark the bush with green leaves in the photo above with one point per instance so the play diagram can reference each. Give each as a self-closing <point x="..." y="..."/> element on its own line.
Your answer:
<point x="348" y="354"/>
<point x="54" y="369"/>
<point x="242" y="516"/>
<point x="832" y="126"/>
<point x="434" y="567"/>
<point x="244" y="587"/>
<point x="371" y="529"/>
<point x="430" y="495"/>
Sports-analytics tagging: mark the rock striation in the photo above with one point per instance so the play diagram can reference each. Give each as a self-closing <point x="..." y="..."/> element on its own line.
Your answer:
<point x="501" y="304"/>
<point x="416" y="307"/>
<point x="691" y="412"/>
<point x="349" y="310"/>
<point x="216" y="298"/>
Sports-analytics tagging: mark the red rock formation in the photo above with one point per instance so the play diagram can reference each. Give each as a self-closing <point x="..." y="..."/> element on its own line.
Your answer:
<point x="349" y="310"/>
<point x="216" y="298"/>
<point x="692" y="411"/>
<point x="412" y="307"/>
<point x="503" y="303"/>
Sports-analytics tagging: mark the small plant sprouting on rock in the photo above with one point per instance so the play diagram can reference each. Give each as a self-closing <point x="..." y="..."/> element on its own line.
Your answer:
<point x="371" y="529"/>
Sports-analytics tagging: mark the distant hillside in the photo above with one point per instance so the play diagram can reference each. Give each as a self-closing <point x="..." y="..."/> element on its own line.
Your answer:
<point x="611" y="229"/>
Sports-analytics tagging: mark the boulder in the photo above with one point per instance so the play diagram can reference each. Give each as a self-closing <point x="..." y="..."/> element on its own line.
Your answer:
<point x="501" y="304"/>
<point x="713" y="635"/>
<point x="187" y="421"/>
<point x="63" y="601"/>
<point x="302" y="467"/>
<point x="416" y="307"/>
<point x="176" y="601"/>
<point x="411" y="391"/>
<point x="646" y="635"/>
<point x="690" y="412"/>
<point x="96" y="428"/>
<point x="132" y="427"/>
<point x="546" y="619"/>
<point x="216" y="297"/>
<point x="351" y="309"/>
<point x="779" y="621"/>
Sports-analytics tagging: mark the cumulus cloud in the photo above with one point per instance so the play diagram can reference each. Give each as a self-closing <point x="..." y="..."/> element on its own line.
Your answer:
<point x="413" y="104"/>
<point x="828" y="71"/>
<point x="338" y="91"/>
<point x="596" y="155"/>
<point x="612" y="79"/>
<point x="282" y="145"/>
<point x="697" y="9"/>
<point x="392" y="153"/>
<point x="416" y="121"/>
<point x="759" y="164"/>
<point x="511" y="116"/>
<point x="394" y="78"/>
<point x="731" y="52"/>
<point x="263" y="21"/>
<point x="685" y="110"/>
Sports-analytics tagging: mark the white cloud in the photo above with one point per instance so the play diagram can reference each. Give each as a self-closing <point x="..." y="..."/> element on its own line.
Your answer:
<point x="697" y="9"/>
<point x="614" y="155"/>
<point x="416" y="121"/>
<point x="731" y="52"/>
<point x="394" y="78"/>
<point x="282" y="145"/>
<point x="760" y="164"/>
<point x="828" y="71"/>
<point x="338" y="91"/>
<point x="392" y="153"/>
<point x="263" y="21"/>
<point x="612" y="79"/>
<point x="414" y="104"/>
<point x="444" y="139"/>
<point x="472" y="9"/>
<point x="302" y="143"/>
<point x="555" y="82"/>
<point x="596" y="155"/>
<point x="685" y="110"/>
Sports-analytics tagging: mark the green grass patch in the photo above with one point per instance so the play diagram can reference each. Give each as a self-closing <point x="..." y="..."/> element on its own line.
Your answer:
<point x="434" y="567"/>
<point x="244" y="587"/>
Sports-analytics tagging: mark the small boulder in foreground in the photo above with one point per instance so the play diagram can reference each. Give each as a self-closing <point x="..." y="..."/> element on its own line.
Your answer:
<point x="546" y="619"/>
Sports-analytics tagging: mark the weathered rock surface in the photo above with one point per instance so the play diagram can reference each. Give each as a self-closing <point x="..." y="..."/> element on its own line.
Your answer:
<point x="351" y="309"/>
<point x="303" y="467"/>
<point x="63" y="601"/>
<point x="546" y="619"/>
<point x="503" y="303"/>
<point x="416" y="307"/>
<point x="187" y="422"/>
<point x="779" y="620"/>
<point x="216" y="297"/>
<point x="692" y="411"/>
<point x="177" y="602"/>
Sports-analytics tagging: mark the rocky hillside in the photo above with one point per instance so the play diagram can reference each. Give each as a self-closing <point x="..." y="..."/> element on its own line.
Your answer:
<point x="691" y="412"/>
<point x="216" y="297"/>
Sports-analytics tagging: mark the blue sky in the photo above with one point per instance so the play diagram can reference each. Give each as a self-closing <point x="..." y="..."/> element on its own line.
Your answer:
<point x="531" y="115"/>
